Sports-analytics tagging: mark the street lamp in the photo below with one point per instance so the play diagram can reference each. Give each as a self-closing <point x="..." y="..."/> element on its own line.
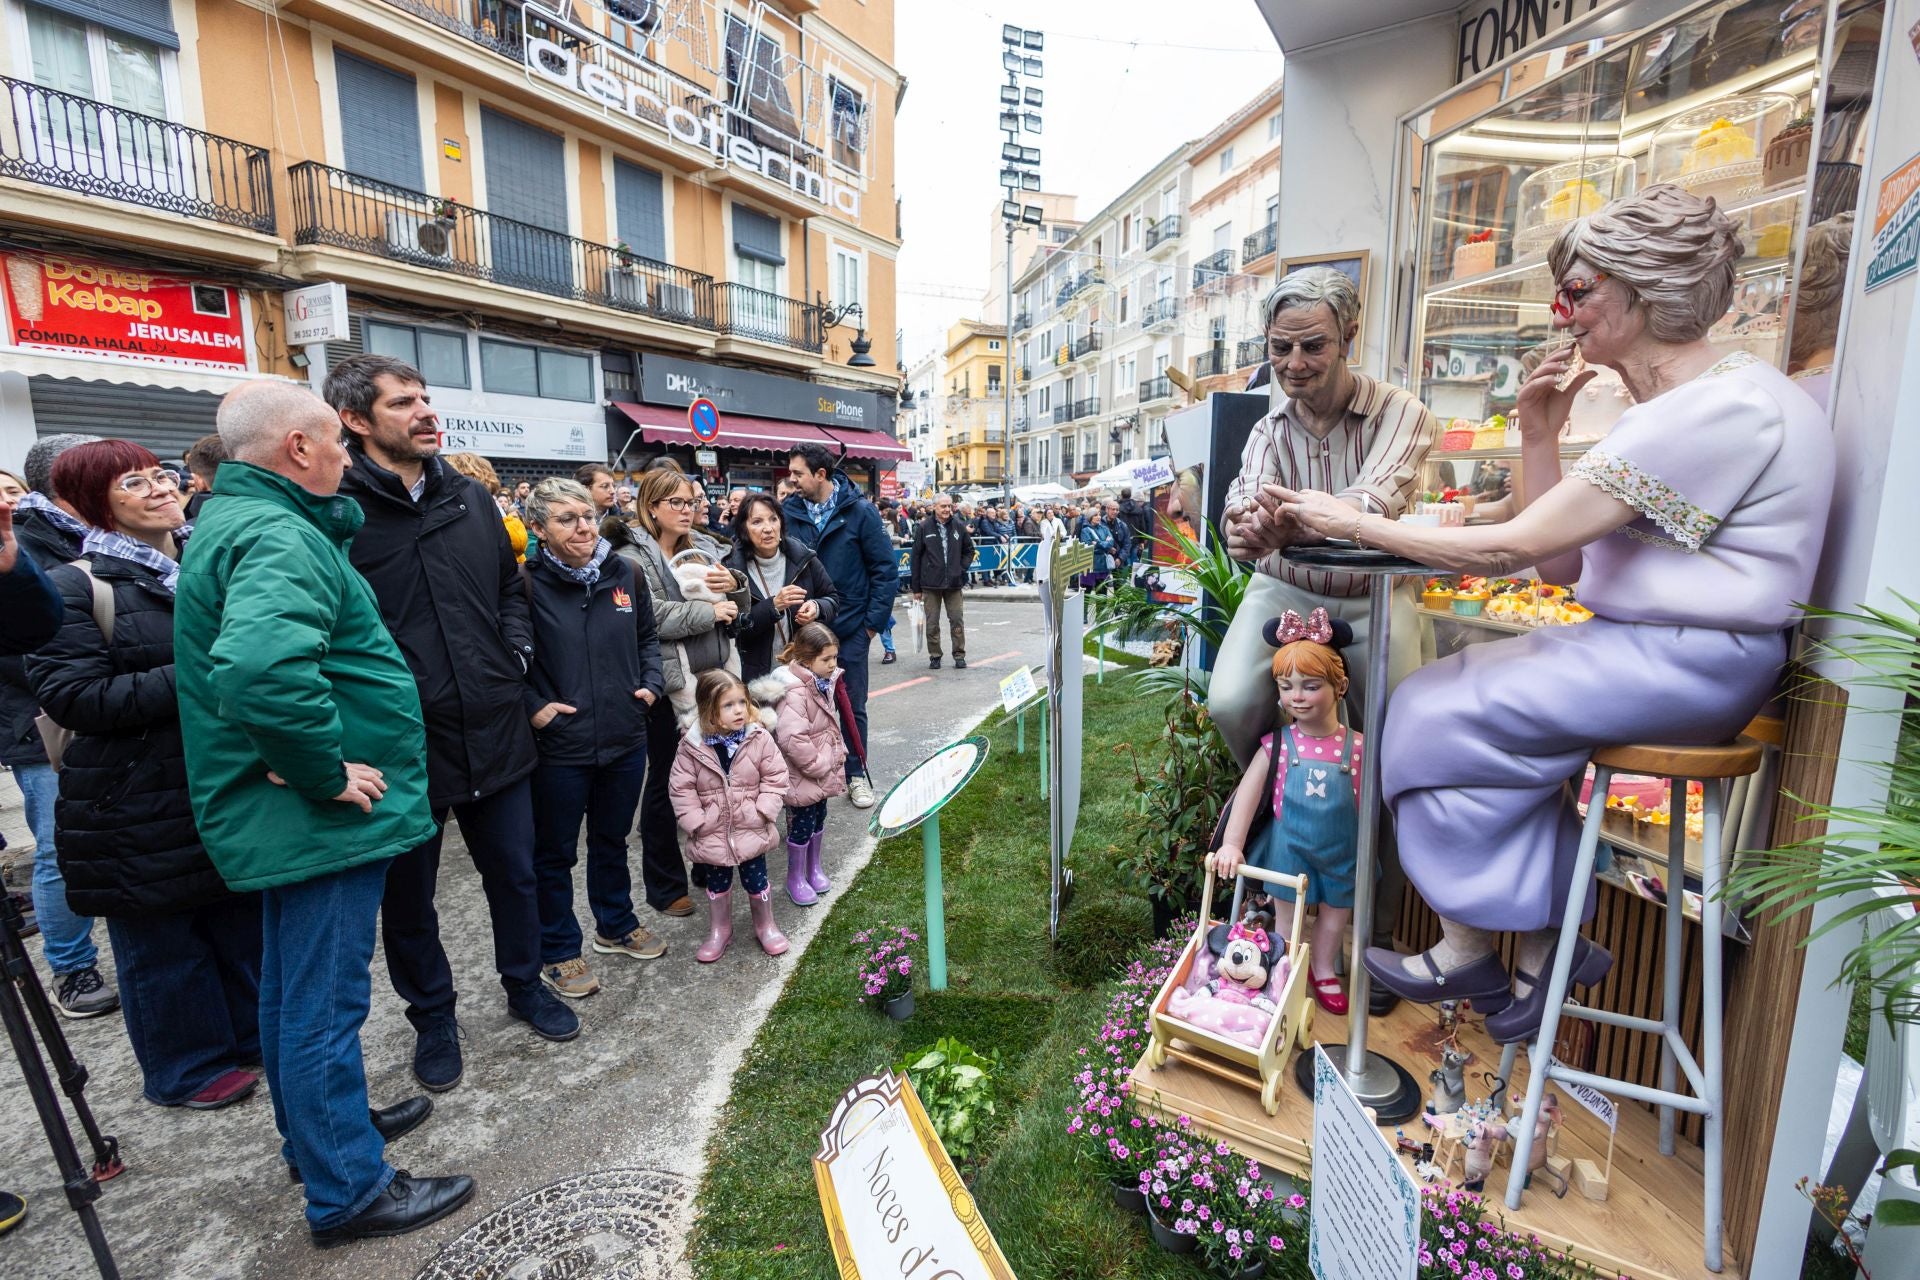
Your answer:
<point x="831" y="317"/>
<point x="1018" y="110"/>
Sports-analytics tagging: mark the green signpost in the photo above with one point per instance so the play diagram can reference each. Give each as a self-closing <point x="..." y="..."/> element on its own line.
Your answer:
<point x="916" y="801"/>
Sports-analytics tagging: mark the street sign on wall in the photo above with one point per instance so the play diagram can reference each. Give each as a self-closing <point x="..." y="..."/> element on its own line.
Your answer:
<point x="703" y="420"/>
<point x="317" y="313"/>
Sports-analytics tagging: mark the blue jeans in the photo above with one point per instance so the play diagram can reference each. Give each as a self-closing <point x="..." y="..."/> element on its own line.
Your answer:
<point x="315" y="987"/>
<point x="606" y="796"/>
<point x="190" y="993"/>
<point x="886" y="635"/>
<point x="853" y="662"/>
<point x="69" y="938"/>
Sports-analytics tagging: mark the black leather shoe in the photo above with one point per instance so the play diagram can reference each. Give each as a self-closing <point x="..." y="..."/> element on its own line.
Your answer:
<point x="390" y="1122"/>
<point x="407" y="1204"/>
<point x="960" y="664"/>
<point x="933" y="664"/>
<point x="888" y="658"/>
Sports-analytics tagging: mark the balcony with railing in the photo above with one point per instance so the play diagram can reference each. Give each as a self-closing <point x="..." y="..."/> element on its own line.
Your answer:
<point x="1088" y="408"/>
<point x="495" y="25"/>
<point x="1212" y="268"/>
<point x="1260" y="243"/>
<point x="56" y="139"/>
<point x="1209" y="364"/>
<point x="1022" y="321"/>
<point x="1158" y="387"/>
<point x="1249" y="352"/>
<point x="1162" y="234"/>
<point x="1062" y="413"/>
<point x="1087" y="344"/>
<point x="1084" y="283"/>
<point x="1160" y="314"/>
<point x="768" y="317"/>
<point x="333" y="207"/>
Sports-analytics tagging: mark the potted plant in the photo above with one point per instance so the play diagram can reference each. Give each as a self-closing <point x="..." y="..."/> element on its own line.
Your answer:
<point x="956" y="1086"/>
<point x="1177" y="803"/>
<point x="1117" y="1139"/>
<point x="623" y="252"/>
<point x="445" y="210"/>
<point x="885" y="969"/>
<point x="1173" y="1215"/>
<point x="1248" y="1219"/>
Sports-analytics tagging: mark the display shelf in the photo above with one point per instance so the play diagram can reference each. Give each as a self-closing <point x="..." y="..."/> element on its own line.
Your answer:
<point x="1476" y="620"/>
<point x="1568" y="449"/>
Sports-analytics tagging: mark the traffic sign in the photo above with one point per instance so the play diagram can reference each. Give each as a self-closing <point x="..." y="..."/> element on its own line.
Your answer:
<point x="703" y="420"/>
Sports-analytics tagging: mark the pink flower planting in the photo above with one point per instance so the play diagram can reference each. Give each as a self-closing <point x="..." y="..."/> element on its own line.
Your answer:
<point x="886" y="970"/>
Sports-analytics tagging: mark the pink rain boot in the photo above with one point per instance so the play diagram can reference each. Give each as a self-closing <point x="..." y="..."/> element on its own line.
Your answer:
<point x="772" y="941"/>
<point x="720" y="935"/>
<point x="798" y="888"/>
<point x="816" y="876"/>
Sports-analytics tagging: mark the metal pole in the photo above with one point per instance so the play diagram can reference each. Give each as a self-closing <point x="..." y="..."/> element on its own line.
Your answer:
<point x="1006" y="422"/>
<point x="936" y="907"/>
<point x="1020" y="731"/>
<point x="1379" y="621"/>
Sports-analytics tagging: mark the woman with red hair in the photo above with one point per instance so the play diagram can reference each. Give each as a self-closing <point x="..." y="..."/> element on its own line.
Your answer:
<point x="186" y="947"/>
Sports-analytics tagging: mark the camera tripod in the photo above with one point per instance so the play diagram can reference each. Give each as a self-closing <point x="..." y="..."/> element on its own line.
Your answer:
<point x="22" y="997"/>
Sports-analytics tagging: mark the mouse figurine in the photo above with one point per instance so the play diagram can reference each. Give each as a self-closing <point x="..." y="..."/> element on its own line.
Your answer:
<point x="1449" y="1082"/>
<point x="1482" y="1141"/>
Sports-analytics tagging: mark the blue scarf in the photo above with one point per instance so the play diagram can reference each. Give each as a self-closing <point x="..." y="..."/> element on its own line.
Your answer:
<point x="69" y="525"/>
<point x="587" y="574"/>
<point x="819" y="511"/>
<point x="825" y="685"/>
<point x="107" y="542"/>
<point x="731" y="741"/>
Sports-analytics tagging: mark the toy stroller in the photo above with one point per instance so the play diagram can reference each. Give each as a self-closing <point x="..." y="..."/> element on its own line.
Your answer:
<point x="1256" y="1061"/>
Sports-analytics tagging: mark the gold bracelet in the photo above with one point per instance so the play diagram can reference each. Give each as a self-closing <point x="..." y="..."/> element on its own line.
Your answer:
<point x="1358" y="517"/>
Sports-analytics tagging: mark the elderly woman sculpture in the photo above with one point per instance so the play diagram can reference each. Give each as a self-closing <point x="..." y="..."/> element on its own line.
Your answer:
<point x="1693" y="530"/>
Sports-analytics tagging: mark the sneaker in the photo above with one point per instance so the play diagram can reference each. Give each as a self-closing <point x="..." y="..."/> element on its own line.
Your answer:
<point x="860" y="792"/>
<point x="436" y="1055"/>
<point x="536" y="1006"/>
<point x="571" y="978"/>
<point x="639" y="944"/>
<point x="933" y="664"/>
<point x="229" y="1088"/>
<point x="85" y="994"/>
<point x="889" y="657"/>
<point x="959" y="664"/>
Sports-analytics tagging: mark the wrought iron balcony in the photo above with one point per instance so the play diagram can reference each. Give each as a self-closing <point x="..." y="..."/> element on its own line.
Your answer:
<point x="1088" y="408"/>
<point x="62" y="140"/>
<point x="1260" y="243"/>
<point x="1209" y="364"/>
<point x="1082" y="283"/>
<point x="768" y="317"/>
<point x="1085" y="345"/>
<point x="491" y="24"/>
<point x="1156" y="388"/>
<point x="1062" y="413"/>
<point x="1164" y="231"/>
<point x="1212" y="268"/>
<point x="341" y="209"/>
<point x="1161" y="313"/>
<point x="1022" y="321"/>
<point x="1249" y="352"/>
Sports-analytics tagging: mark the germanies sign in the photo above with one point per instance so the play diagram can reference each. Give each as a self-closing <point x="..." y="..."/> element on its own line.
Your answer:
<point x="757" y="128"/>
<point x="56" y="303"/>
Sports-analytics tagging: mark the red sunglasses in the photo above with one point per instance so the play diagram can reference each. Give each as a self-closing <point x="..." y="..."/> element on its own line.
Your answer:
<point x="1574" y="292"/>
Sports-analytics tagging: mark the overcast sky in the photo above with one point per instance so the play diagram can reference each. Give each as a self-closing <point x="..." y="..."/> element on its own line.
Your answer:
<point x="1126" y="82"/>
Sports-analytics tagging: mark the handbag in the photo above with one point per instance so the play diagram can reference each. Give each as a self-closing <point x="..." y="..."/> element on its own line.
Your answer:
<point x="56" y="738"/>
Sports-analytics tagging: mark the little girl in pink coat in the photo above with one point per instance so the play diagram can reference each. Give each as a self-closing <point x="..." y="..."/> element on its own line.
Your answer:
<point x="806" y="724"/>
<point x="728" y="786"/>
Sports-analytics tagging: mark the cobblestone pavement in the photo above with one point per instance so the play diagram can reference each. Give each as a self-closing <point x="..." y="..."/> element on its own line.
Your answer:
<point x="587" y="1154"/>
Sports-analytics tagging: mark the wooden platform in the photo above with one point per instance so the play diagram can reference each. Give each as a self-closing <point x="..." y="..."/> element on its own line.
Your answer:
<point x="1647" y="1229"/>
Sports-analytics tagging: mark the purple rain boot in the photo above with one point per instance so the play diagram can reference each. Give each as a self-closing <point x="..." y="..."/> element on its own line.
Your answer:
<point x="816" y="875"/>
<point x="799" y="887"/>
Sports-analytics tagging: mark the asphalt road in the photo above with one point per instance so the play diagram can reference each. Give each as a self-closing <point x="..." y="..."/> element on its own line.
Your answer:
<point x="586" y="1154"/>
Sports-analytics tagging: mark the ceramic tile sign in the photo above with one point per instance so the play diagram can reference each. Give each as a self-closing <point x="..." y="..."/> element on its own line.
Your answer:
<point x="1896" y="226"/>
<point x="1365" y="1221"/>
<point x="893" y="1203"/>
<point x="1017" y="690"/>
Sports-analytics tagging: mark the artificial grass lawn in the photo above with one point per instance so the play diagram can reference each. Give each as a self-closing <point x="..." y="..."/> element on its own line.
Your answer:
<point x="1008" y="989"/>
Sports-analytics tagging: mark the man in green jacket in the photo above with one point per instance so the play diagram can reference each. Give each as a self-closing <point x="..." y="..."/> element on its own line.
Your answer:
<point x="306" y="767"/>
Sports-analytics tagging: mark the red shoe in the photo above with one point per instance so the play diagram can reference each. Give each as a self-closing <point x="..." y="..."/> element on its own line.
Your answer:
<point x="1328" y="995"/>
<point x="226" y="1090"/>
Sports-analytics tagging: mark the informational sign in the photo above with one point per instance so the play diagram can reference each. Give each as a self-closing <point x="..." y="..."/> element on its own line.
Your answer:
<point x="894" y="1204"/>
<point x="928" y="787"/>
<point x="1492" y="30"/>
<point x="703" y="420"/>
<point x="706" y="457"/>
<point x="1599" y="1104"/>
<point x="317" y="313"/>
<point x="513" y="436"/>
<point x="1017" y="690"/>
<point x="889" y="485"/>
<point x="1365" y="1220"/>
<point x="912" y="476"/>
<point x="57" y="303"/>
<point x="1896" y="226"/>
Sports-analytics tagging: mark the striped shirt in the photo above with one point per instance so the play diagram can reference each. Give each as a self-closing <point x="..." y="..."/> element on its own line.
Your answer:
<point x="1374" y="454"/>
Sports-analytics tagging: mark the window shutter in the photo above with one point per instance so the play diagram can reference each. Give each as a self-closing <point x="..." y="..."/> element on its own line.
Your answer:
<point x="639" y="210"/>
<point x="757" y="236"/>
<point x="379" y="122"/>
<point x="149" y="20"/>
<point x="526" y="171"/>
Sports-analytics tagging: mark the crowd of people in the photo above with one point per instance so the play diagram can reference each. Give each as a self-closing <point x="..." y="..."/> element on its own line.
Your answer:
<point x="263" y="717"/>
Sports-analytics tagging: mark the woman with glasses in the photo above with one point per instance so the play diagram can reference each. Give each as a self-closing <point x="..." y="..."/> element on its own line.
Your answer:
<point x="695" y="635"/>
<point x="187" y="949"/>
<point x="595" y="677"/>
<point x="1692" y="529"/>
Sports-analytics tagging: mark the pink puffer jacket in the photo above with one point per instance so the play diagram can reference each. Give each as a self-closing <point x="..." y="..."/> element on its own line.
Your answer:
<point x="729" y="817"/>
<point x="807" y="727"/>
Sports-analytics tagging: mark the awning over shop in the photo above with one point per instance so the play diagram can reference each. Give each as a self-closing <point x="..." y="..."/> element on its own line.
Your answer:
<point x="663" y="424"/>
<point x="876" y="445"/>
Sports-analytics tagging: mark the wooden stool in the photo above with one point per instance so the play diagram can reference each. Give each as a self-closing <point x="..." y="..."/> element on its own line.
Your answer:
<point x="1714" y="767"/>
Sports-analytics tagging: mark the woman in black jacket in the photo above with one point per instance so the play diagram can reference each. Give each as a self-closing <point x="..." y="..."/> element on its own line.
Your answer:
<point x="187" y="949"/>
<point x="594" y="679"/>
<point x="786" y="584"/>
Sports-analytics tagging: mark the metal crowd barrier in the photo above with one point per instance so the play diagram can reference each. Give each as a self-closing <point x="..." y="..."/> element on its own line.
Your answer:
<point x="1018" y="560"/>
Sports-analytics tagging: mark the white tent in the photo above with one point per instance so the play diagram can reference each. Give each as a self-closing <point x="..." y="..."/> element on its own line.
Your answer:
<point x="1143" y="474"/>
<point x="1039" y="493"/>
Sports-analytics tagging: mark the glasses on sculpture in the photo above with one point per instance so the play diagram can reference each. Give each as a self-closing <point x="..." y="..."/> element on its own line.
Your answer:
<point x="1572" y="293"/>
<point x="141" y="483"/>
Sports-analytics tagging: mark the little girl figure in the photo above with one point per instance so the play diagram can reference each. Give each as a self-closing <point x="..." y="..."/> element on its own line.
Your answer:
<point x="1316" y="791"/>
<point x="806" y="725"/>
<point x="728" y="786"/>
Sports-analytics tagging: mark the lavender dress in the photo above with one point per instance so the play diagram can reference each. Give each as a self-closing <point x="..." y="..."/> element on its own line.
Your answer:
<point x="1732" y="474"/>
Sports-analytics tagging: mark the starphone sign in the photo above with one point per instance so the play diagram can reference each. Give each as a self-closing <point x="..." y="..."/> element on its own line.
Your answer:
<point x="565" y="66"/>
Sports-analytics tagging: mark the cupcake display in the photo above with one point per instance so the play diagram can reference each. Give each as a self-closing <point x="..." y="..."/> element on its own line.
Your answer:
<point x="1715" y="150"/>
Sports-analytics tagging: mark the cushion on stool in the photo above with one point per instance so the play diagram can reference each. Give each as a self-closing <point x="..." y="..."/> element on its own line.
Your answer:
<point x="1725" y="760"/>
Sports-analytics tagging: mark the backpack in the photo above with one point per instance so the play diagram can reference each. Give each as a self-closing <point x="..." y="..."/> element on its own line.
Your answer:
<point x="55" y="737"/>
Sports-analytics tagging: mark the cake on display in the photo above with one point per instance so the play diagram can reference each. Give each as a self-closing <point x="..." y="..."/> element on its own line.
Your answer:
<point x="1474" y="256"/>
<point x="1715" y="150"/>
<point x="1550" y="198"/>
<point x="1787" y="155"/>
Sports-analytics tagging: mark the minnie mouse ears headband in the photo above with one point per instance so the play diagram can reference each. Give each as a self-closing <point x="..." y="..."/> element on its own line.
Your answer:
<point x="1335" y="633"/>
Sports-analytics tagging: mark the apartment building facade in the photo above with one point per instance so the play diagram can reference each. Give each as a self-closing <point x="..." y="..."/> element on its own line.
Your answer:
<point x="1232" y="234"/>
<point x="973" y="423"/>
<point x="575" y="218"/>
<point x="922" y="408"/>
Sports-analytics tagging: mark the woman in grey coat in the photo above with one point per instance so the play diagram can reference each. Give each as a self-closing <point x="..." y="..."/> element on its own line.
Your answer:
<point x="695" y="635"/>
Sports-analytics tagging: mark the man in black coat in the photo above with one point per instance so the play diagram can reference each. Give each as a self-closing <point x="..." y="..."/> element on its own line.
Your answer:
<point x="942" y="553"/>
<point x="437" y="557"/>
